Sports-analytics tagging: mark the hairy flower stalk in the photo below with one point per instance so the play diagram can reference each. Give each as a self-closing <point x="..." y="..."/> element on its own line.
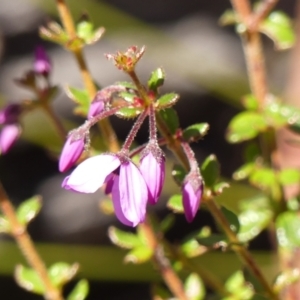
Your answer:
<point x="192" y="186"/>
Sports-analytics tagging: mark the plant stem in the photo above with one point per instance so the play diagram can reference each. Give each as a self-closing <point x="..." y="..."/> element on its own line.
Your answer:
<point x="168" y="274"/>
<point x="20" y="234"/>
<point x="107" y="131"/>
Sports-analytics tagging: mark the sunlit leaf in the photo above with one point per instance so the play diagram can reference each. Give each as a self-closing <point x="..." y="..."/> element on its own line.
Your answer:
<point x="60" y="273"/>
<point x="29" y="209"/>
<point x="80" y="291"/>
<point x="123" y="239"/>
<point x="194" y="287"/>
<point x="244" y="171"/>
<point x="195" y="132"/>
<point x="250" y="102"/>
<point x="128" y="112"/>
<point x="4" y="225"/>
<point x="139" y="255"/>
<point x="286" y="278"/>
<point x="80" y="97"/>
<point x="175" y="203"/>
<point x="289" y="176"/>
<point x="156" y="79"/>
<point x="192" y="248"/>
<point x="219" y="187"/>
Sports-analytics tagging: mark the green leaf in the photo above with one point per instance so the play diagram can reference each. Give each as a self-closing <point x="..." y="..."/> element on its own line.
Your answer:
<point x="260" y="202"/>
<point x="195" y="132"/>
<point x="80" y="291"/>
<point x="128" y="97"/>
<point x="212" y="240"/>
<point x="85" y="30"/>
<point x="124" y="239"/>
<point x="232" y="218"/>
<point x="175" y="203"/>
<point x="167" y="100"/>
<point x="139" y="255"/>
<point x="192" y="248"/>
<point x="252" y="223"/>
<point x="228" y="18"/>
<point x="60" y="273"/>
<point x="250" y="102"/>
<point x="29" y="209"/>
<point x="128" y="112"/>
<point x="126" y="84"/>
<point x="278" y="27"/>
<point x="80" y="97"/>
<point x="167" y="223"/>
<point x="156" y="79"/>
<point x="178" y="174"/>
<point x="170" y="117"/>
<point x="210" y="170"/>
<point x="245" y="126"/>
<point x="29" y="280"/>
<point x="287" y="230"/>
<point x="194" y="287"/>
<point x="286" y="278"/>
<point x="244" y="171"/>
<point x="264" y="178"/>
<point x="289" y="176"/>
<point x="4" y="225"/>
<point x="219" y="187"/>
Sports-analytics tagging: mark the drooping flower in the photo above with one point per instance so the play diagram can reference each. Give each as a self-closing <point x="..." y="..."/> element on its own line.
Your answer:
<point x="71" y="152"/>
<point x="128" y="187"/>
<point x="192" y="190"/>
<point x="42" y="64"/>
<point x="97" y="106"/>
<point x="8" y="136"/>
<point x="152" y="167"/>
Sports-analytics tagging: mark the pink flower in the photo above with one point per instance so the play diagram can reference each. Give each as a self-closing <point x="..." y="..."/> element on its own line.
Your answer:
<point x="70" y="153"/>
<point x="10" y="113"/>
<point x="128" y="187"/>
<point x="42" y="64"/>
<point x="96" y="107"/>
<point x="8" y="136"/>
<point x="152" y="167"/>
<point x="192" y="190"/>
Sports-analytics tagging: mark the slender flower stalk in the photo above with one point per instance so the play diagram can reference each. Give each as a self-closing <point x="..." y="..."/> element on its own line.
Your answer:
<point x="20" y="234"/>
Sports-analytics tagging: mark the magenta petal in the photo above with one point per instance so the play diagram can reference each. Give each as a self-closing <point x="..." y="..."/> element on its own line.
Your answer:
<point x="117" y="203"/>
<point x="42" y="64"/>
<point x="91" y="174"/>
<point x="70" y="153"/>
<point x="191" y="199"/>
<point x="153" y="171"/>
<point x="97" y="106"/>
<point x="8" y="136"/>
<point x="133" y="193"/>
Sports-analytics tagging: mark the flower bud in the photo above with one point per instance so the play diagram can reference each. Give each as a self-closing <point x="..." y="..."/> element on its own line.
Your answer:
<point x="10" y="113"/>
<point x="8" y="136"/>
<point x="70" y="153"/>
<point x="42" y="64"/>
<point x="97" y="106"/>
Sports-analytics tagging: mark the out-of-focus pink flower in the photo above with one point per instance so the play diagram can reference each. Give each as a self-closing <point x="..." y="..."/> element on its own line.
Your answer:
<point x="42" y="64"/>
<point x="10" y="113"/>
<point x="152" y="167"/>
<point x="70" y="153"/>
<point x="96" y="107"/>
<point x="192" y="190"/>
<point x="8" y="136"/>
<point x="128" y="187"/>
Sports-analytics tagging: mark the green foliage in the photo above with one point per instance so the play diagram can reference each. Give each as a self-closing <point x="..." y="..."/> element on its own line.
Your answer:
<point x="123" y="239"/>
<point x="80" y="97"/>
<point x="195" y="132"/>
<point x="4" y="225"/>
<point x="170" y="117"/>
<point x="128" y="112"/>
<point x="210" y="170"/>
<point x="192" y="248"/>
<point x="167" y="100"/>
<point x="178" y="174"/>
<point x="80" y="291"/>
<point x="86" y="32"/>
<point x="278" y="27"/>
<point x="250" y="102"/>
<point x="139" y="255"/>
<point x="60" y="273"/>
<point x="286" y="278"/>
<point x="175" y="203"/>
<point x="232" y="218"/>
<point x="156" y="79"/>
<point x="29" y="209"/>
<point x="289" y="176"/>
<point x="194" y="287"/>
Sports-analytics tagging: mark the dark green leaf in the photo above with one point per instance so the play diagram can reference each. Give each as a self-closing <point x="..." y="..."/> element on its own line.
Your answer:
<point x="289" y="176"/>
<point x="157" y="79"/>
<point x="252" y="223"/>
<point x="124" y="239"/>
<point x="175" y="204"/>
<point x="210" y="170"/>
<point x="128" y="112"/>
<point x="29" y="209"/>
<point x="232" y="219"/>
<point x="178" y="174"/>
<point x="195" y="132"/>
<point x="80" y="291"/>
<point x="139" y="255"/>
<point x="194" y="287"/>
<point x="167" y="100"/>
<point x="245" y="126"/>
<point x="29" y="280"/>
<point x="60" y="273"/>
<point x="170" y="117"/>
<point x="167" y="223"/>
<point x="278" y="27"/>
<point x="287" y="230"/>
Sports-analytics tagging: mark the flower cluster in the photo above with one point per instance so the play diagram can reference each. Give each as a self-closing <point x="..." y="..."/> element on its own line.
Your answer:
<point x="131" y="186"/>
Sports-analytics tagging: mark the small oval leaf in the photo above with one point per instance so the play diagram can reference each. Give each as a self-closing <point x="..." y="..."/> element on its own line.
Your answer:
<point x="167" y="100"/>
<point x="60" y="273"/>
<point x="139" y="255"/>
<point x="194" y="287"/>
<point x="170" y="117"/>
<point x="195" y="132"/>
<point x="128" y="112"/>
<point x="210" y="170"/>
<point x="175" y="203"/>
<point x="29" y="209"/>
<point x="123" y="239"/>
<point x="80" y="291"/>
<point x="156" y="79"/>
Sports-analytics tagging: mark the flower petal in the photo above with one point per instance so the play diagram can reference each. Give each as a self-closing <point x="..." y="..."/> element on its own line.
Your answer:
<point x="153" y="172"/>
<point x="91" y="174"/>
<point x="8" y="136"/>
<point x="133" y="193"/>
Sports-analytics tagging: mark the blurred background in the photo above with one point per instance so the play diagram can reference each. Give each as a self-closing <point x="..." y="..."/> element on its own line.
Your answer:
<point x="204" y="63"/>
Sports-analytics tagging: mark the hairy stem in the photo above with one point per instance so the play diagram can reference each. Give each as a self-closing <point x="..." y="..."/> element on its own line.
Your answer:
<point x="20" y="234"/>
<point x="107" y="131"/>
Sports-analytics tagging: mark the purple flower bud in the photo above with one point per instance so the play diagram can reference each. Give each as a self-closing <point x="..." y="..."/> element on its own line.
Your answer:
<point x="192" y="190"/>
<point x="129" y="190"/>
<point x="42" y="64"/>
<point x="8" y="136"/>
<point x="10" y="113"/>
<point x="152" y="167"/>
<point x="97" y="106"/>
<point x="70" y="153"/>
